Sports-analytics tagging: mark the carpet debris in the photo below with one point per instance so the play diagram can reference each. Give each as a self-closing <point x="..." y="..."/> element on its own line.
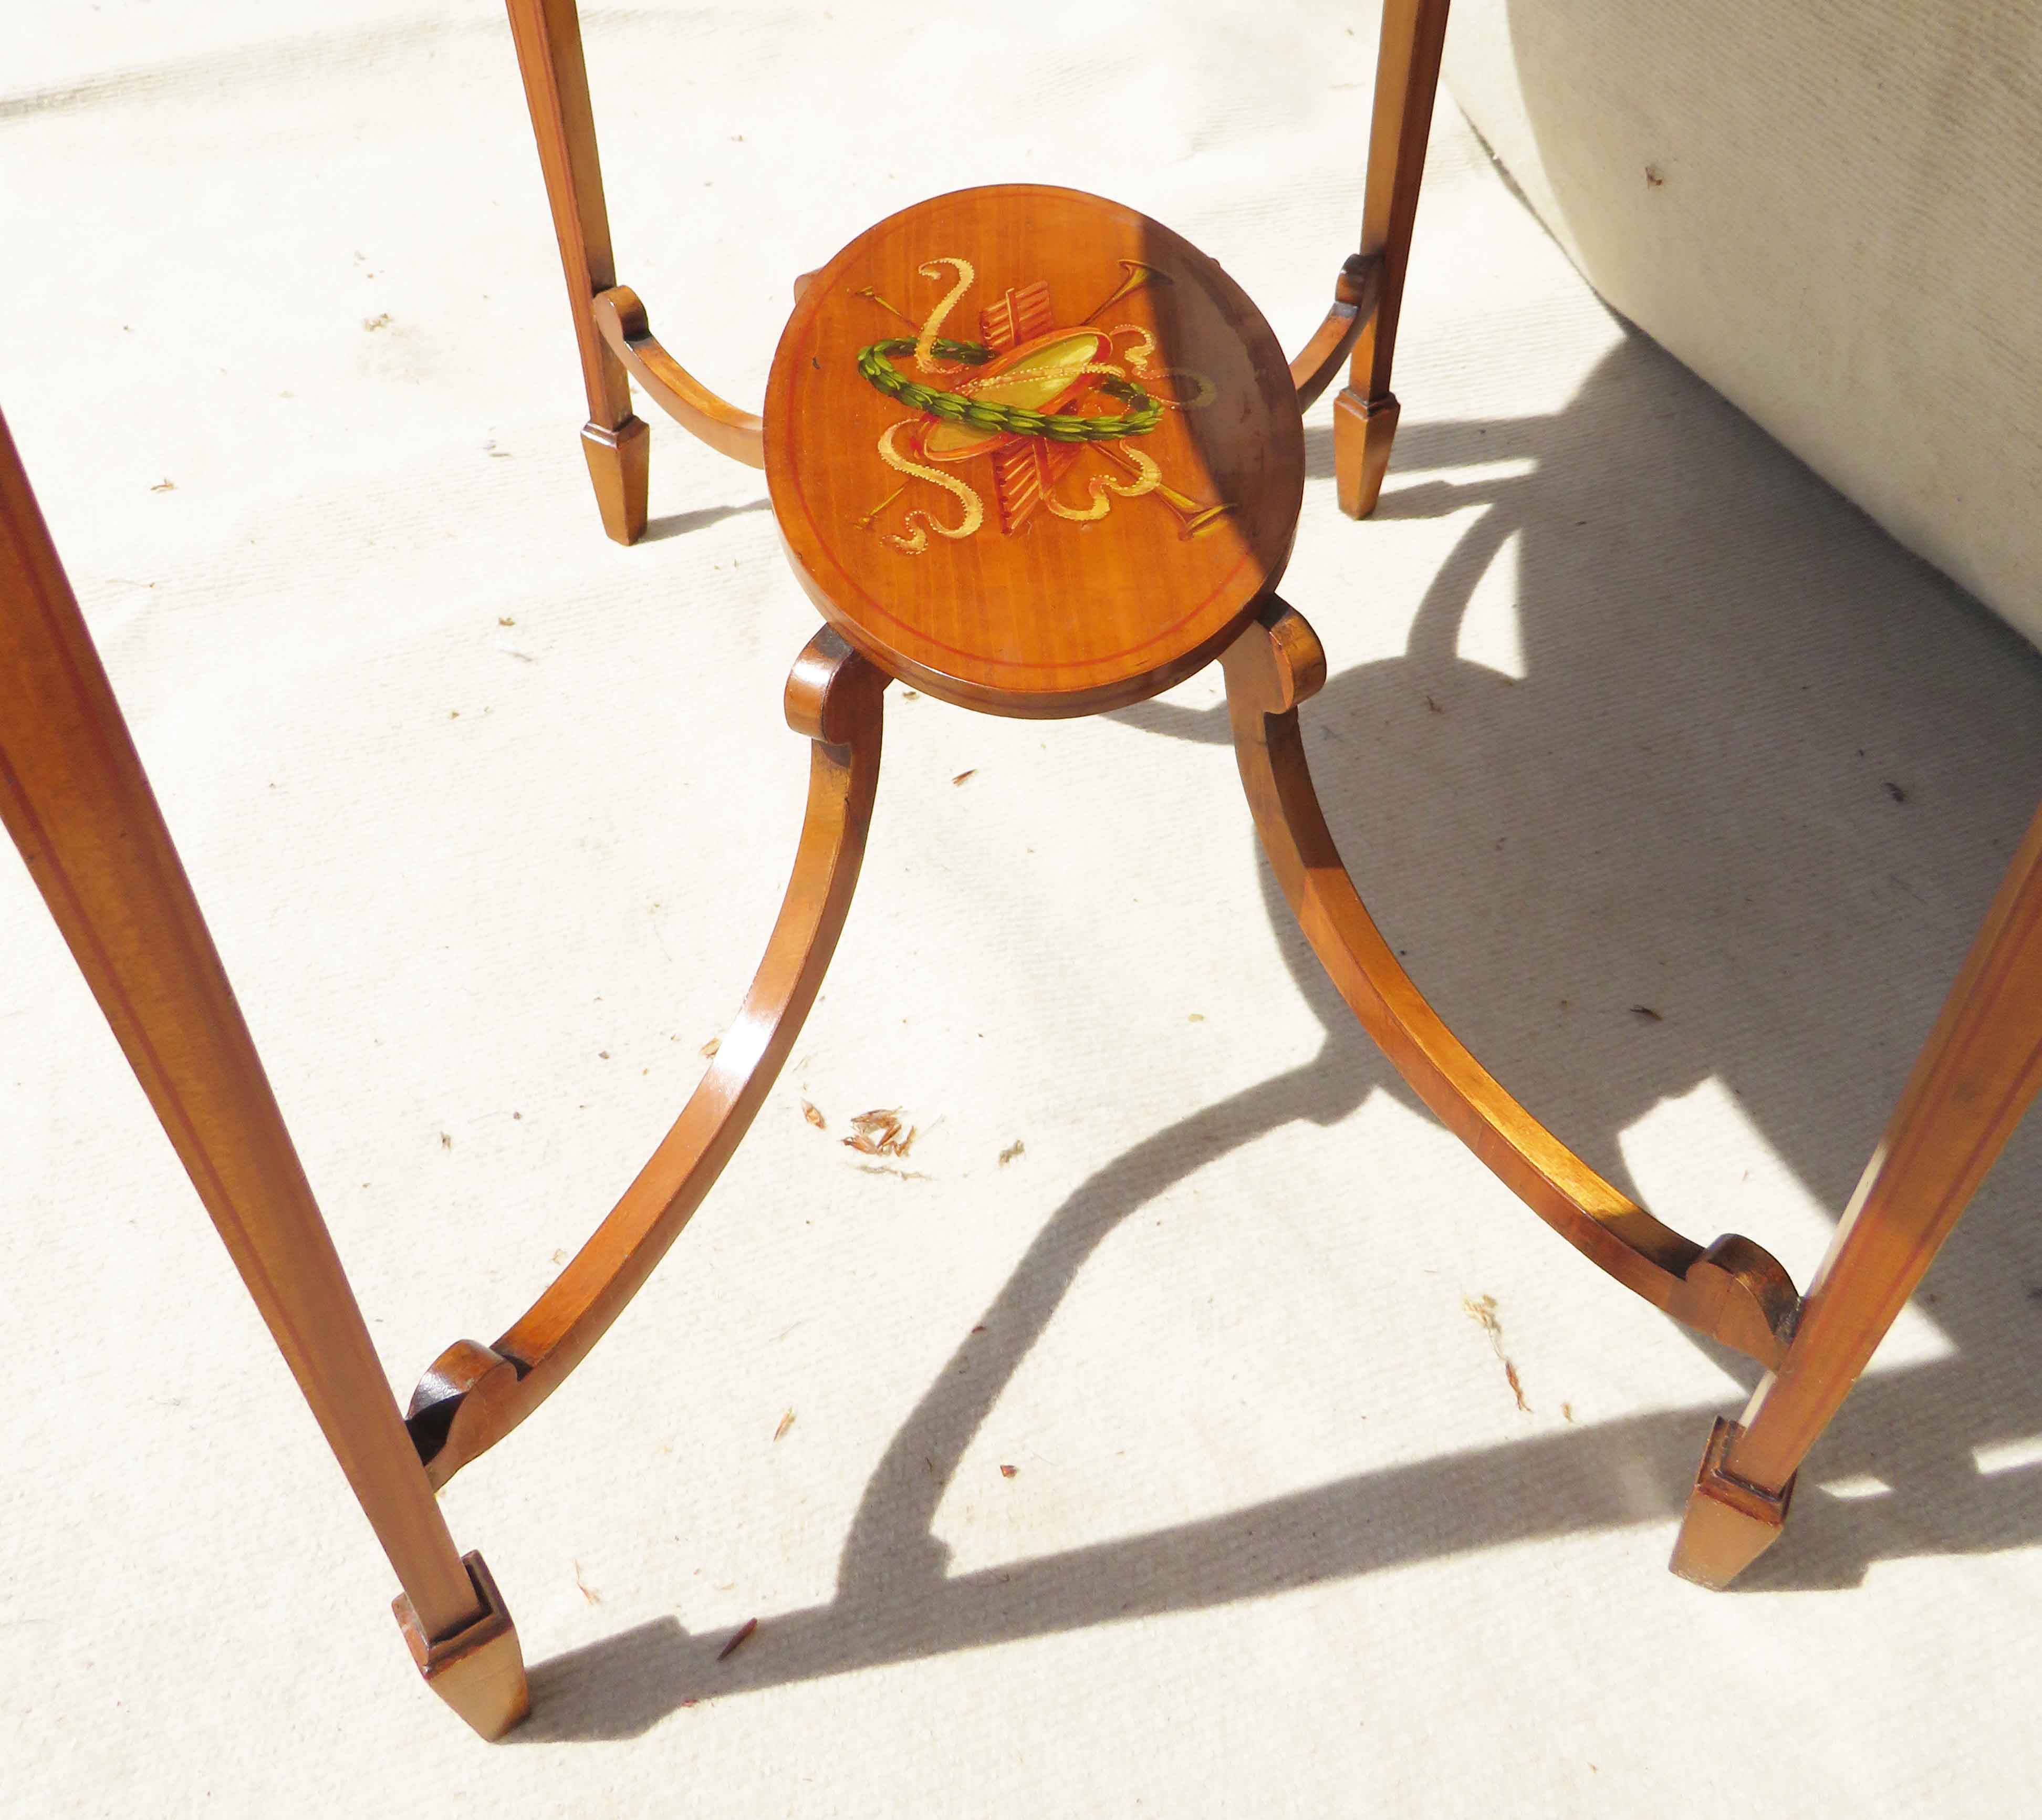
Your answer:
<point x="1482" y="1310"/>
<point x="878" y="1133"/>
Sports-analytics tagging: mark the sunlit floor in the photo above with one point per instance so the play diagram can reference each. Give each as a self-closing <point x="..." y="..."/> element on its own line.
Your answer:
<point x="1681" y="786"/>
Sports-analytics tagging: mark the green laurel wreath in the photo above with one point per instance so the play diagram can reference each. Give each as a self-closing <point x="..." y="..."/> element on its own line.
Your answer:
<point x="1142" y="414"/>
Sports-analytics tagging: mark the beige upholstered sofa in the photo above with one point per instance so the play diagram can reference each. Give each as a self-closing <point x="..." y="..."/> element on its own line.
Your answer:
<point x="1831" y="211"/>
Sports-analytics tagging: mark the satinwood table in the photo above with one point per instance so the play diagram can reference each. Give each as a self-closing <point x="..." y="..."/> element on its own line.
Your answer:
<point x="1037" y="455"/>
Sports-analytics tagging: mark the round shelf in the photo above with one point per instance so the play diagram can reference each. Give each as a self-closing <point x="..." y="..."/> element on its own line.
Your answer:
<point x="1031" y="451"/>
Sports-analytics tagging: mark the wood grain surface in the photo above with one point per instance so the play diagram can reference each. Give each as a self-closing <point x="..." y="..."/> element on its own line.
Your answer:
<point x="472" y="1395"/>
<point x="1970" y="1086"/>
<point x="1407" y="78"/>
<point x="74" y="797"/>
<point x="1734" y="1291"/>
<point x="615" y="443"/>
<point x="1032" y="612"/>
<point x="620" y="318"/>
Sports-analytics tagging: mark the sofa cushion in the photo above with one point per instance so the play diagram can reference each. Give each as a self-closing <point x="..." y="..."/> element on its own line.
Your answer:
<point x="1832" y="213"/>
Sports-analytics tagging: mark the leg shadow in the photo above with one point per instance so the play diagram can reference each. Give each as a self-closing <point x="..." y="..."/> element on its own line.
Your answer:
<point x="680" y="524"/>
<point x="1775" y="770"/>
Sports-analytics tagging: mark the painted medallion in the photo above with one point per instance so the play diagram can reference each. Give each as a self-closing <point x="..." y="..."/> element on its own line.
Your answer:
<point x="1032" y="450"/>
<point x="1016" y="410"/>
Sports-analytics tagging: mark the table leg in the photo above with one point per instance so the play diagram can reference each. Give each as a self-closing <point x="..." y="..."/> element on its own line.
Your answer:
<point x="472" y="1395"/>
<point x="1973" y="1081"/>
<point x="617" y="445"/>
<point x="1733" y="1290"/>
<point x="74" y="796"/>
<point x="1407" y="76"/>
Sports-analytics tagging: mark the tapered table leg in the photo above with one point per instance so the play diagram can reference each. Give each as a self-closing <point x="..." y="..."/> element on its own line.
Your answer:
<point x="1973" y="1079"/>
<point x="617" y="445"/>
<point x="1407" y="76"/>
<point x="74" y="796"/>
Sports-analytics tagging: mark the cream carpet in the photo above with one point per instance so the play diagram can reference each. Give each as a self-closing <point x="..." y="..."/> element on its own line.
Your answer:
<point x="489" y="817"/>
